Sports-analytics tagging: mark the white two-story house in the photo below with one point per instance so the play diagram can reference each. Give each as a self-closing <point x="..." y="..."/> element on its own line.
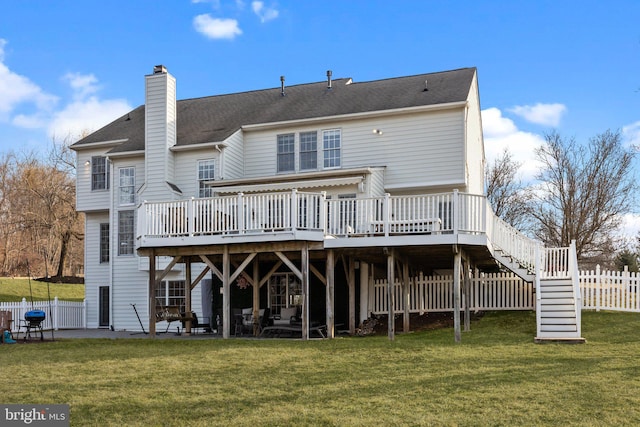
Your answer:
<point x="291" y="197"/>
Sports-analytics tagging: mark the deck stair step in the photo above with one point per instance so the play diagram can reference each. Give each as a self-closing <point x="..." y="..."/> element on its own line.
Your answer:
<point x="557" y="311"/>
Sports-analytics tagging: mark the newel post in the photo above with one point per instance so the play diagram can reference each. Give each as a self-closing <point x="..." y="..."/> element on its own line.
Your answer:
<point x="386" y="213"/>
<point x="191" y="217"/>
<point x="294" y="209"/>
<point x="599" y="287"/>
<point x="240" y="213"/>
<point x="456" y="212"/>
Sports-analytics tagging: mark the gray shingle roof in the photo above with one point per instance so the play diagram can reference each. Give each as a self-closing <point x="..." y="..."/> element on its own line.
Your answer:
<point x="215" y="118"/>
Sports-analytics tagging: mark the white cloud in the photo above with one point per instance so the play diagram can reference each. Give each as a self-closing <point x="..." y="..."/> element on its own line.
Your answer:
<point x="264" y="13"/>
<point x="82" y="84"/>
<point x="86" y="115"/>
<point x="631" y="134"/>
<point x="215" y="28"/>
<point x="542" y="114"/>
<point x="630" y="226"/>
<point x="500" y="133"/>
<point x="16" y="89"/>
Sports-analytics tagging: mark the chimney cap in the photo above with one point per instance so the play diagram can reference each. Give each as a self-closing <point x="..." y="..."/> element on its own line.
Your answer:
<point x="159" y="69"/>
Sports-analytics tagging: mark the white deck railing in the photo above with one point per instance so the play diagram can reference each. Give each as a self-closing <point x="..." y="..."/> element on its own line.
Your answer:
<point x="59" y="314"/>
<point x="379" y="216"/>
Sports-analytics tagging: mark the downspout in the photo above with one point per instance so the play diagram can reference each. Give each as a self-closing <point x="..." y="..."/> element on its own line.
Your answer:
<point x="220" y="157"/>
<point x="112" y="247"/>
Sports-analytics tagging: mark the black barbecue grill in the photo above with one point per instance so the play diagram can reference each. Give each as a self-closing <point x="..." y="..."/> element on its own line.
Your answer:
<point x="33" y="322"/>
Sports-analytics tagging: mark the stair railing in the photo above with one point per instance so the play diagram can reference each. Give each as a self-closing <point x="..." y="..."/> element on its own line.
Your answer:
<point x="575" y="281"/>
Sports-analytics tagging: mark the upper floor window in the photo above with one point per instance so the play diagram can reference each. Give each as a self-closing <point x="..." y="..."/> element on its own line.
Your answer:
<point x="206" y="172"/>
<point x="125" y="232"/>
<point x="308" y="150"/>
<point x="127" y="186"/>
<point x="104" y="243"/>
<point x="286" y="153"/>
<point x="331" y="145"/>
<point x="99" y="173"/>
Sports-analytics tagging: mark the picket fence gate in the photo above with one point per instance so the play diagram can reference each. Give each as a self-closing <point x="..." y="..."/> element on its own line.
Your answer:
<point x="59" y="314"/>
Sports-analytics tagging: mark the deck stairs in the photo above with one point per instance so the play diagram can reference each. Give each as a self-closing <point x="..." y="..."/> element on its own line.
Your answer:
<point x="555" y="275"/>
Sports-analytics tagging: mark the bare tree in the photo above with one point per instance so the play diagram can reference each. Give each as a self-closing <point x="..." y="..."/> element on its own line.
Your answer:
<point x="508" y="197"/>
<point x="584" y="191"/>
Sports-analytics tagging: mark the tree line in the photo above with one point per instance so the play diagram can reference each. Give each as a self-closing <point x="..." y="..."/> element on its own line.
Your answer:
<point x="581" y="192"/>
<point x="41" y="233"/>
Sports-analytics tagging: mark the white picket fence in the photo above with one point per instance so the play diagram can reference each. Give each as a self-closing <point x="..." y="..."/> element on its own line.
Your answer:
<point x="59" y="314"/>
<point x="600" y="289"/>
<point x="500" y="291"/>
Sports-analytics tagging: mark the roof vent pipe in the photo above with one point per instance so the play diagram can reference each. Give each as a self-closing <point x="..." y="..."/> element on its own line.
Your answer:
<point x="329" y="79"/>
<point x="282" y="85"/>
<point x="426" y="88"/>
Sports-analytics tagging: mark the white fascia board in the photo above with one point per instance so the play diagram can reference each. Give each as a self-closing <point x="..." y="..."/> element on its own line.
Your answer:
<point x="199" y="146"/>
<point x="101" y="144"/>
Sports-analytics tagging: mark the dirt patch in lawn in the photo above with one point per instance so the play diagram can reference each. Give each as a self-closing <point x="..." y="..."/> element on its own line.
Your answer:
<point x="419" y="322"/>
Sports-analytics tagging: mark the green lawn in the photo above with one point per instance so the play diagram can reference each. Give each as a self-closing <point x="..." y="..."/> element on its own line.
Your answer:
<point x="496" y="376"/>
<point x="12" y="290"/>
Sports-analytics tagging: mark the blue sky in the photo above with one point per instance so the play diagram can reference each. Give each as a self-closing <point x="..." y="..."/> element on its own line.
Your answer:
<point x="71" y="66"/>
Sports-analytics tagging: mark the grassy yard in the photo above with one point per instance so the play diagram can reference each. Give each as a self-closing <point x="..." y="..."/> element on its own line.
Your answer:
<point x="13" y="290"/>
<point x="496" y="376"/>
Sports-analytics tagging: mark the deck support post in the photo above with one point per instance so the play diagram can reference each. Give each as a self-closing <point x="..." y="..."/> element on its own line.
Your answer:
<point x="187" y="294"/>
<point x="456" y="293"/>
<point x="330" y="292"/>
<point x="256" y="297"/>
<point x="304" y="269"/>
<point x="351" y="280"/>
<point x="226" y="293"/>
<point x="406" y="298"/>
<point x="152" y="293"/>
<point x="391" y="326"/>
<point x="364" y="291"/>
<point x="467" y="295"/>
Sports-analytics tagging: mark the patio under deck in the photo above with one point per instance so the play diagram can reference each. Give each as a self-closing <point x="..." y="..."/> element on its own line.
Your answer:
<point x="230" y="233"/>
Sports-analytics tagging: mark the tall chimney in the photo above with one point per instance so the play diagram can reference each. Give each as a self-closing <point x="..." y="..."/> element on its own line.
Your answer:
<point x="159" y="131"/>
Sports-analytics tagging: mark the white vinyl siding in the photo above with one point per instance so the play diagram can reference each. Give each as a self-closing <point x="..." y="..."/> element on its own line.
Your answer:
<point x="127" y="186"/>
<point x="232" y="158"/>
<point x="88" y="200"/>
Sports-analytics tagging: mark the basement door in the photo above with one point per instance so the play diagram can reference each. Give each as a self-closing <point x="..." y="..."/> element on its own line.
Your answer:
<point x="103" y="306"/>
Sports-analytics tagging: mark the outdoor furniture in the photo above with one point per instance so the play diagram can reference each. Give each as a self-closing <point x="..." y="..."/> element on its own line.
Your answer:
<point x="195" y="323"/>
<point x="287" y="314"/>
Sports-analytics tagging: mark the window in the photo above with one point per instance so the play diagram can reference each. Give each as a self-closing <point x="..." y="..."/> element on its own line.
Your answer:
<point x="286" y="153"/>
<point x="206" y="172"/>
<point x="331" y="148"/>
<point x="125" y="233"/>
<point x="127" y="186"/>
<point x="104" y="243"/>
<point x="171" y="293"/>
<point x="99" y="173"/>
<point x="308" y="150"/>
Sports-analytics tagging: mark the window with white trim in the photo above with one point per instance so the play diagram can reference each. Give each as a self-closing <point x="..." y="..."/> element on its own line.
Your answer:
<point x="171" y="293"/>
<point x="104" y="243"/>
<point x="286" y="153"/>
<point x="125" y="232"/>
<point x="99" y="173"/>
<point x="127" y="185"/>
<point x="308" y="150"/>
<point x="206" y="172"/>
<point x="331" y="146"/>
